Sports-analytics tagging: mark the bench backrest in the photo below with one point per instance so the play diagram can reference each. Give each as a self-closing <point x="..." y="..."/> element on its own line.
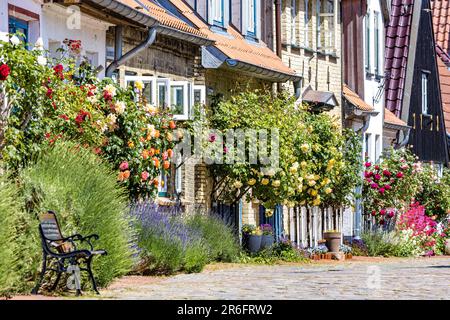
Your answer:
<point x="51" y="232"/>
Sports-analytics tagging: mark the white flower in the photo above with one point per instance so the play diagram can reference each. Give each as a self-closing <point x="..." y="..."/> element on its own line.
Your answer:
<point x="111" y="118"/>
<point x="14" y="40"/>
<point x="120" y="107"/>
<point x="42" y="60"/>
<point x="111" y="89"/>
<point x="92" y="99"/>
<point x="103" y="127"/>
<point x="4" y="36"/>
<point x="39" y="45"/>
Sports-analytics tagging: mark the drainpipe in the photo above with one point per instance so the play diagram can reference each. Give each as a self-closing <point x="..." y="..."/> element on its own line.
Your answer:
<point x="278" y="33"/>
<point x="298" y="88"/>
<point x="358" y="202"/>
<point x="405" y="140"/>
<point x="120" y="59"/>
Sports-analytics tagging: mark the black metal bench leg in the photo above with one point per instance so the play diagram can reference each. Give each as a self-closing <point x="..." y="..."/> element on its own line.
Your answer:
<point x="91" y="275"/>
<point x="55" y="285"/>
<point x="41" y="276"/>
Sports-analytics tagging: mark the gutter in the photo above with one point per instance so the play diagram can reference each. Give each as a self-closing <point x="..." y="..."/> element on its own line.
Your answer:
<point x="404" y="142"/>
<point x="120" y="59"/>
<point x="125" y="11"/>
<point x="263" y="72"/>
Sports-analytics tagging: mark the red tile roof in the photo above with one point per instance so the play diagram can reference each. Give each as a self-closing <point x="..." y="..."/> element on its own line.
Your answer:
<point x="356" y="100"/>
<point x="391" y="118"/>
<point x="444" y="56"/>
<point x="441" y="23"/>
<point x="396" y="54"/>
<point x="164" y="17"/>
<point x="234" y="44"/>
<point x="444" y="79"/>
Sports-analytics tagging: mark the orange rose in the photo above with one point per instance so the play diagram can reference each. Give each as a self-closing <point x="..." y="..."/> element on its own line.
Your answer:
<point x="156" y="162"/>
<point x="170" y="153"/>
<point x="155" y="181"/>
<point x="126" y="174"/>
<point x="152" y="152"/>
<point x="145" y="154"/>
<point x="166" y="164"/>
<point x="157" y="151"/>
<point x="172" y="124"/>
<point x="157" y="133"/>
<point x="149" y="137"/>
<point x="141" y="139"/>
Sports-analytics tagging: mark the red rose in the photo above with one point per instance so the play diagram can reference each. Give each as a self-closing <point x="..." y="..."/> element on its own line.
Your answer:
<point x="49" y="93"/>
<point x="399" y="175"/>
<point x="4" y="71"/>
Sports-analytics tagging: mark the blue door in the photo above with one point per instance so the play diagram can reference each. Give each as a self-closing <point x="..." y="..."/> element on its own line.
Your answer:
<point x="276" y="220"/>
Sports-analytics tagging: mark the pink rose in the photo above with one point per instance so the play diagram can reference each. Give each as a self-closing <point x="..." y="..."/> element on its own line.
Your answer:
<point x="399" y="175"/>
<point x="124" y="166"/>
<point x="374" y="185"/>
<point x="381" y="190"/>
<point x="367" y="164"/>
<point x="387" y="173"/>
<point x="382" y="212"/>
<point x="388" y="187"/>
<point x="391" y="214"/>
<point x="377" y="177"/>
<point x="145" y="175"/>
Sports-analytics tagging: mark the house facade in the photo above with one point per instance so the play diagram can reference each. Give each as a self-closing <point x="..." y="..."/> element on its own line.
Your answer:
<point x="412" y="79"/>
<point x="311" y="45"/>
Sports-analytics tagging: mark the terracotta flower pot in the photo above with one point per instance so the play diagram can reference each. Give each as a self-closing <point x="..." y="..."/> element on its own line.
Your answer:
<point x="348" y="256"/>
<point x="333" y="240"/>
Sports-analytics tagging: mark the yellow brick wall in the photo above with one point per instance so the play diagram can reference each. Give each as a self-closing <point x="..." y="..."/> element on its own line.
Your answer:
<point x="322" y="72"/>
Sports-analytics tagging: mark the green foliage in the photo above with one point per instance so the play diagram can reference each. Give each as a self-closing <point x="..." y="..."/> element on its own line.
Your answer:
<point x="386" y="244"/>
<point x="220" y="242"/>
<point x="18" y="241"/>
<point x="82" y="190"/>
<point x="282" y="251"/>
<point x="317" y="162"/>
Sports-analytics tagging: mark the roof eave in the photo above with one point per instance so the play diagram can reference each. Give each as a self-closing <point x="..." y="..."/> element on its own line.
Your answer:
<point x="395" y="126"/>
<point x="186" y="36"/>
<point x="261" y="72"/>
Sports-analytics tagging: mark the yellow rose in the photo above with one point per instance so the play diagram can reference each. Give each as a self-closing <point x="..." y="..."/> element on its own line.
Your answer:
<point x="139" y="85"/>
<point x="328" y="190"/>
<point x="276" y="183"/>
<point x="313" y="192"/>
<point x="311" y="183"/>
<point x="251" y="182"/>
<point x="265" y="181"/>
<point x="131" y="144"/>
<point x="304" y="147"/>
<point x="303" y="164"/>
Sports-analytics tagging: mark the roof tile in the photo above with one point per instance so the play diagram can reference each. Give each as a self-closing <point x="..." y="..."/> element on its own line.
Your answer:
<point x="444" y="78"/>
<point x="356" y="100"/>
<point x="441" y="23"/>
<point x="391" y="118"/>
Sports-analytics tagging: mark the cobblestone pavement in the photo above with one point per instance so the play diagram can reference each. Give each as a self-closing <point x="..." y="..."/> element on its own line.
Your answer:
<point x="424" y="278"/>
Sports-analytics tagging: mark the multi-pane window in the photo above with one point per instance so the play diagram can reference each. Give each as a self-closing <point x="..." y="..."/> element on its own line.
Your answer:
<point x="424" y="92"/>
<point x="308" y="24"/>
<point x="293" y="21"/>
<point x="251" y="18"/>
<point x="376" y="35"/>
<point x="367" y="41"/>
<point x="176" y="96"/>
<point x="325" y="25"/>
<point x="217" y="12"/>
<point x="377" y="147"/>
<point x="367" y="144"/>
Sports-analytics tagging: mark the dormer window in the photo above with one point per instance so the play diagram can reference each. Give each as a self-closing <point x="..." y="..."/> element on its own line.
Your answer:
<point x="217" y="12"/>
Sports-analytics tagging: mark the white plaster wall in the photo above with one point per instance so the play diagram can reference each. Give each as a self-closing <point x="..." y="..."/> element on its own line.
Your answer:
<point x="59" y="24"/>
<point x="371" y="85"/>
<point x="3" y="16"/>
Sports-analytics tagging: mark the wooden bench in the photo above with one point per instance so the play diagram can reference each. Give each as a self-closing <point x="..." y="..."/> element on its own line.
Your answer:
<point x="64" y="251"/>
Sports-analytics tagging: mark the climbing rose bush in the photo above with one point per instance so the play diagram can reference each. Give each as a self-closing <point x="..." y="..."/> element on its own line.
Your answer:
<point x="59" y="99"/>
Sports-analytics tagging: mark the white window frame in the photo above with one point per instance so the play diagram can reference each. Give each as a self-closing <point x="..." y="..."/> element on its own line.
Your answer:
<point x="368" y="146"/>
<point x="252" y="16"/>
<point x="367" y="36"/>
<point x="217" y="12"/>
<point x="321" y="16"/>
<point x="163" y="82"/>
<point x="144" y="79"/>
<point x="376" y="42"/>
<point x="202" y="89"/>
<point x="178" y="180"/>
<point x="307" y="22"/>
<point x="186" y="103"/>
<point x="424" y="92"/>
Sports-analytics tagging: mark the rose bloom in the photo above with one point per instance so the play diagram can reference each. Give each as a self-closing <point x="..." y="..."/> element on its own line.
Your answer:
<point x="387" y="173"/>
<point x="381" y="190"/>
<point x="145" y="175"/>
<point x="377" y="177"/>
<point x="374" y="185"/>
<point x="4" y="71"/>
<point x="367" y="164"/>
<point x="124" y="165"/>
<point x="399" y="174"/>
<point x="119" y="107"/>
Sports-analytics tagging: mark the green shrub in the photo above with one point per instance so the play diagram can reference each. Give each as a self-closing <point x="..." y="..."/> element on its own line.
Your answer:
<point x="387" y="244"/>
<point x="221" y="243"/>
<point x="84" y="193"/>
<point x="196" y="257"/>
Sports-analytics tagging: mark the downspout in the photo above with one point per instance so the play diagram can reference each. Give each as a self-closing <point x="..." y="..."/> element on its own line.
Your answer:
<point x="405" y="140"/>
<point x="120" y="59"/>
<point x="358" y="201"/>
<point x="278" y="33"/>
<point x="298" y="88"/>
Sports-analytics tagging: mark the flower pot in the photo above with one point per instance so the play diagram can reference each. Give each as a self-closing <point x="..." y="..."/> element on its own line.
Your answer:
<point x="333" y="240"/>
<point x="266" y="241"/>
<point x="315" y="257"/>
<point x="447" y="247"/>
<point x="348" y="256"/>
<point x="253" y="243"/>
<point x="328" y="256"/>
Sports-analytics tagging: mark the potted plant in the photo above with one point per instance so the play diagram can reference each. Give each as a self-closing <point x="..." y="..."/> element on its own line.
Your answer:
<point x="251" y="238"/>
<point x="318" y="252"/>
<point x="347" y="250"/>
<point x="267" y="236"/>
<point x="333" y="240"/>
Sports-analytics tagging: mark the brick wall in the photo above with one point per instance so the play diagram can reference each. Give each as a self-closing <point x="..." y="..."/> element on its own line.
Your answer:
<point x="321" y="71"/>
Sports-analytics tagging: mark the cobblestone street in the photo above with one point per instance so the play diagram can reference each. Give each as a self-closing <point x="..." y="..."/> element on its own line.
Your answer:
<point x="378" y="278"/>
